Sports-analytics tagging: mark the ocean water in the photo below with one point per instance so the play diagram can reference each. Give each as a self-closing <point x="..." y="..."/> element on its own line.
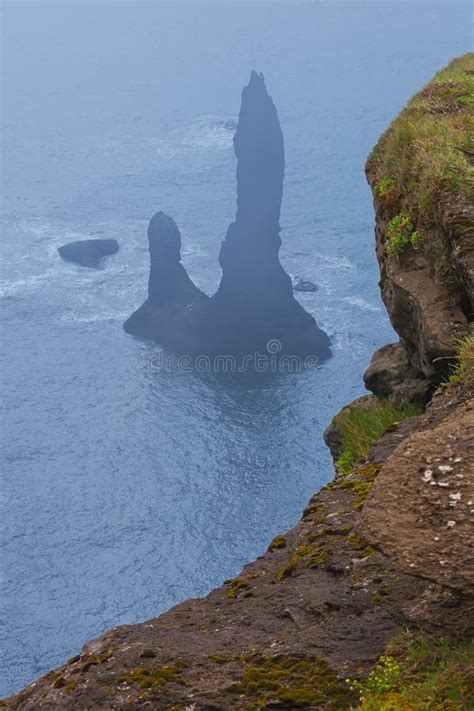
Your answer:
<point x="127" y="488"/>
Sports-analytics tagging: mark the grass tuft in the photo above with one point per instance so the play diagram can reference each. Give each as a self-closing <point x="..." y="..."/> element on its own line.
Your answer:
<point x="422" y="167"/>
<point x="278" y="542"/>
<point x="464" y="369"/>
<point x="361" y="426"/>
<point x="419" y="674"/>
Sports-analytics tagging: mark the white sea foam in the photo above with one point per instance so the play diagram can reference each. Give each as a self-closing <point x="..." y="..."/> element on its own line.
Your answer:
<point x="91" y="318"/>
<point x="335" y="262"/>
<point x="206" y="132"/>
<point x="361" y="303"/>
<point x="9" y="288"/>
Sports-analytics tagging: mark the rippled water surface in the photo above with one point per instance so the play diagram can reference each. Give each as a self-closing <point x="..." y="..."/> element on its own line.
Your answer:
<point x="127" y="488"/>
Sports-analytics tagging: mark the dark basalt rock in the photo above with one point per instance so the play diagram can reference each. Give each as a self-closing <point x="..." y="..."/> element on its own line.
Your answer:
<point x="88" y="252"/>
<point x="391" y="376"/>
<point x="254" y="304"/>
<point x="166" y="315"/>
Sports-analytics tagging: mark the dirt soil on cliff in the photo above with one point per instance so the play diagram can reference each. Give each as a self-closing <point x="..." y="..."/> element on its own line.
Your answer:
<point x="317" y="607"/>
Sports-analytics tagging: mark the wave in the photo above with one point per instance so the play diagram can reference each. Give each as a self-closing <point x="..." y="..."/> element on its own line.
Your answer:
<point x="206" y="132"/>
<point x="91" y="318"/>
<point x="361" y="303"/>
<point x="26" y="284"/>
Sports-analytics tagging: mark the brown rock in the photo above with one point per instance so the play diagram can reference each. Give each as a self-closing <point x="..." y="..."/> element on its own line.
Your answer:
<point x="390" y="375"/>
<point x="421" y="509"/>
<point x="427" y="313"/>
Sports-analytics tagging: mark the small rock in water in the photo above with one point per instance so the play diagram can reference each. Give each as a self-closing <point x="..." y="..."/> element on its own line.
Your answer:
<point x="88" y="252"/>
<point x="231" y="125"/>
<point x="304" y="285"/>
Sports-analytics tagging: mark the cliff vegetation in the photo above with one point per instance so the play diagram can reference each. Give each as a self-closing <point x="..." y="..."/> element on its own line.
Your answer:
<point x="422" y="167"/>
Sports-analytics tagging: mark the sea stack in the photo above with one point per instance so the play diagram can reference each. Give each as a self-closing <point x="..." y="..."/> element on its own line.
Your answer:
<point x="253" y="310"/>
<point x="167" y="314"/>
<point x="254" y="305"/>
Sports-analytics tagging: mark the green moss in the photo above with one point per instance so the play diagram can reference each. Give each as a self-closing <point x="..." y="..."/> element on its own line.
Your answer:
<point x="71" y="686"/>
<point x="422" y="165"/>
<point x="147" y="653"/>
<point x="91" y="660"/>
<point x="322" y="540"/>
<point x="325" y="531"/>
<point x="60" y="682"/>
<point x="74" y="659"/>
<point x="288" y="569"/>
<point x="236" y="586"/>
<point x="319" y="533"/>
<point x="306" y="555"/>
<point x="360" y="482"/>
<point x="278" y="542"/>
<point x="290" y="681"/>
<point x="155" y="678"/>
<point x="217" y="659"/>
<point x="419" y="674"/>
<point x="378" y="596"/>
<point x="314" y="509"/>
<point x="360" y="426"/>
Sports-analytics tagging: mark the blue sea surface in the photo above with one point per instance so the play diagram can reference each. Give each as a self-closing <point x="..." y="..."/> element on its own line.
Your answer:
<point x="127" y="487"/>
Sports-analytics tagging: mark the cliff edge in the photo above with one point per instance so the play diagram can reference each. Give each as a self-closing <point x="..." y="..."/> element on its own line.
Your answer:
<point x="386" y="546"/>
<point x="421" y="175"/>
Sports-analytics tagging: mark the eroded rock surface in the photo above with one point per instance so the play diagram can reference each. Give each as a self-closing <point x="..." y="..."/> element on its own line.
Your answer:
<point x="421" y="509"/>
<point x="390" y="375"/>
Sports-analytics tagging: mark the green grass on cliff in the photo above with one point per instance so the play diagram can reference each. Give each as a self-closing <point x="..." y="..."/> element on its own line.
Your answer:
<point x="418" y="674"/>
<point x="464" y="369"/>
<point x="361" y="426"/>
<point x="422" y="168"/>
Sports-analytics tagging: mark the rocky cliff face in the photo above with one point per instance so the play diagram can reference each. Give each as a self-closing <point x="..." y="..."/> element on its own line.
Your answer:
<point x="254" y="305"/>
<point x="420" y="173"/>
<point x="427" y="313"/>
<point x="384" y="547"/>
